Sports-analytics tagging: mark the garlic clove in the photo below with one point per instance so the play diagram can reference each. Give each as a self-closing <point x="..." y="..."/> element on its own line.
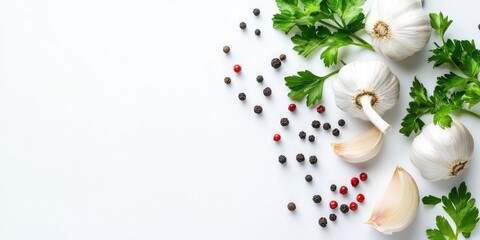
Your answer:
<point x="360" y="148"/>
<point x="398" y="206"/>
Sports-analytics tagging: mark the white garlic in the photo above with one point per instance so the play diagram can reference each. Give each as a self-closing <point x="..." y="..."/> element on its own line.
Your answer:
<point x="398" y="28"/>
<point x="442" y="153"/>
<point x="366" y="90"/>
<point x="360" y="148"/>
<point x="398" y="206"/>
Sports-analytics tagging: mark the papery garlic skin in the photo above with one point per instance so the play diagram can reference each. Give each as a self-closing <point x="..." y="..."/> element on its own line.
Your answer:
<point x="398" y="206"/>
<point x="366" y="90"/>
<point x="398" y="28"/>
<point x="360" y="148"/>
<point x="442" y="153"/>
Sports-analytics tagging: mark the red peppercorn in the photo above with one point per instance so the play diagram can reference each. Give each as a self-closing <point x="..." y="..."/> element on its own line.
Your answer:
<point x="276" y="137"/>
<point x="354" y="181"/>
<point x="360" y="197"/>
<point x="353" y="206"/>
<point x="321" y="109"/>
<point x="343" y="190"/>
<point x="292" y="107"/>
<point x="237" y="68"/>
<point x="363" y="176"/>
<point x="333" y="204"/>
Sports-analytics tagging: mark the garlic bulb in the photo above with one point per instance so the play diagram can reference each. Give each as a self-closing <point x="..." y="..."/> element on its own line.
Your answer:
<point x="398" y="206"/>
<point x="367" y="89"/>
<point x="399" y="28"/>
<point x="441" y="153"/>
<point x="361" y="148"/>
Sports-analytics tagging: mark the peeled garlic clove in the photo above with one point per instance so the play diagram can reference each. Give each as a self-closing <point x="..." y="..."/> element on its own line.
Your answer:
<point x="442" y="153"/>
<point x="398" y="206"/>
<point x="360" y="148"/>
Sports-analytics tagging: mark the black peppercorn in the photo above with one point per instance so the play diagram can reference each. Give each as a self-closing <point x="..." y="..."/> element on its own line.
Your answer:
<point x="260" y="78"/>
<point x="258" y="109"/>
<point x="243" y="25"/>
<point x="315" y="124"/>
<point x="308" y="178"/>
<point x="344" y="208"/>
<point x="291" y="206"/>
<point x="341" y="122"/>
<point x="242" y="96"/>
<point x="336" y="132"/>
<point x="284" y="122"/>
<point x="322" y="222"/>
<point x="479" y="26"/>
<point x="317" y="198"/>
<point x="227" y="80"/>
<point x="282" y="159"/>
<point x="276" y="63"/>
<point x="226" y="49"/>
<point x="333" y="187"/>
<point x="313" y="160"/>
<point x="311" y="138"/>
<point x="282" y="57"/>
<point x="256" y="11"/>
<point x="333" y="217"/>
<point x="257" y="32"/>
<point x="267" y="92"/>
<point x="326" y="126"/>
<point x="300" y="158"/>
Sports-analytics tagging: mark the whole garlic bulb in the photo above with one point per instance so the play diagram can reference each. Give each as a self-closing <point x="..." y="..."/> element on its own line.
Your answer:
<point x="366" y="90"/>
<point x="399" y="28"/>
<point x="442" y="153"/>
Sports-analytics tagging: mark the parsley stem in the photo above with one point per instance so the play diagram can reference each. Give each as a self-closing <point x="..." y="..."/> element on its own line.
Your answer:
<point x="328" y="24"/>
<point x="469" y="113"/>
<point x="365" y="43"/>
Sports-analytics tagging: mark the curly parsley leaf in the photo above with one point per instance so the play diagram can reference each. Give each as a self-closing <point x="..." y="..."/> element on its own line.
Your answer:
<point x="306" y="84"/>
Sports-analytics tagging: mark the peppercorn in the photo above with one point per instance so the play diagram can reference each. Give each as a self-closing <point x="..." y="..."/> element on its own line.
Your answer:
<point x="282" y="57"/>
<point x="302" y="135"/>
<point x="267" y="92"/>
<point x="276" y="137"/>
<point x="237" y="68"/>
<point x="292" y="107"/>
<point x="341" y="122"/>
<point x="243" y="25"/>
<point x="321" y="109"/>
<point x="354" y="181"/>
<point x="256" y="11"/>
<point x="360" y="197"/>
<point x="311" y="138"/>
<point x="226" y="49"/>
<point x="333" y="217"/>
<point x="242" y="96"/>
<point x="300" y="158"/>
<point x="308" y="178"/>
<point x="333" y="187"/>
<point x="317" y="198"/>
<point x="284" y="122"/>
<point x="326" y="126"/>
<point x="343" y="190"/>
<point x="344" y="208"/>
<point x="363" y="176"/>
<point x="276" y="63"/>
<point x="322" y="222"/>
<point x="260" y="78"/>
<point x="227" y="80"/>
<point x="258" y="109"/>
<point x="258" y="32"/>
<point x="336" y="132"/>
<point x="291" y="206"/>
<point x="315" y="124"/>
<point x="479" y="26"/>
<point x="353" y="206"/>
<point x="333" y="204"/>
<point x="313" y="160"/>
<point x="282" y="159"/>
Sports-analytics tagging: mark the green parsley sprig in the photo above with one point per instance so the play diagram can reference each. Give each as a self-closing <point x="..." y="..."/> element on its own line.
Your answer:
<point x="454" y="90"/>
<point x="460" y="206"/>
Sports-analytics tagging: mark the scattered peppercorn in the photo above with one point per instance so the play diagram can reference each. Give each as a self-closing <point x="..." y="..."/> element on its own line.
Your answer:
<point x="333" y="204"/>
<point x="353" y="206"/>
<point x="237" y="68"/>
<point x="360" y="197"/>
<point x="284" y="122"/>
<point x="282" y="159"/>
<point x="326" y="126"/>
<point x="243" y="25"/>
<point x="292" y="107"/>
<point x="341" y="122"/>
<point x="276" y="137"/>
<point x="479" y="26"/>
<point x="321" y="109"/>
<point x="315" y="124"/>
<point x="258" y="109"/>
<point x="260" y="78"/>
<point x="363" y="177"/>
<point x="300" y="158"/>
<point x="227" y="80"/>
<point x="311" y="138"/>
<point x="322" y="222"/>
<point x="282" y="57"/>
<point x="336" y="132"/>
<point x="242" y="96"/>
<point x="276" y="63"/>
<point x="333" y="217"/>
<point x="354" y="181"/>
<point x="256" y="11"/>
<point x="343" y="190"/>
<point x="267" y="92"/>
<point x="308" y="178"/>
<point x="313" y="160"/>
<point x="317" y="198"/>
<point x="333" y="187"/>
<point x="258" y="32"/>
<point x="291" y="206"/>
<point x="344" y="208"/>
<point x="302" y="135"/>
<point x="226" y="49"/>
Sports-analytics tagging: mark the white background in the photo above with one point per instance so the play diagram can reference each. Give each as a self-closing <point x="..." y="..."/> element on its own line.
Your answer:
<point x="115" y="123"/>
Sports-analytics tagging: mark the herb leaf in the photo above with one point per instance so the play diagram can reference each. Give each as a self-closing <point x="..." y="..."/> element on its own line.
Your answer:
<point x="440" y="23"/>
<point x="431" y="200"/>
<point x="306" y="84"/>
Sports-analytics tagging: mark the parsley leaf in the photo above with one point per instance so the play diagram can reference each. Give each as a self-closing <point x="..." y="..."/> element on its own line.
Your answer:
<point x="431" y="200"/>
<point x="306" y="84"/>
<point x="440" y="23"/>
